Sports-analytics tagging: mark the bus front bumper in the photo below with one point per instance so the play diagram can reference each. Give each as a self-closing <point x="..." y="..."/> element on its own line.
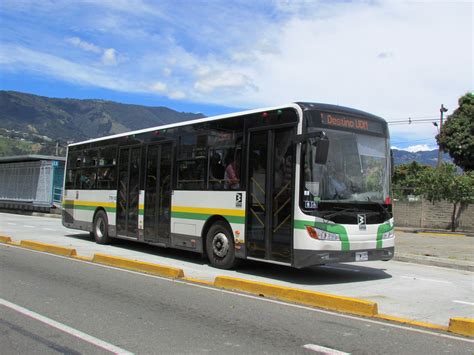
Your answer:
<point x="306" y="258"/>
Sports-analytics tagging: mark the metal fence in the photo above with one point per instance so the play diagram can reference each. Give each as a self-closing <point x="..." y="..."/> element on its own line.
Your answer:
<point x="30" y="182"/>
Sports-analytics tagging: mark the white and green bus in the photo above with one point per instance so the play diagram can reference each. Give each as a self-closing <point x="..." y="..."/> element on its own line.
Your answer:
<point x="299" y="185"/>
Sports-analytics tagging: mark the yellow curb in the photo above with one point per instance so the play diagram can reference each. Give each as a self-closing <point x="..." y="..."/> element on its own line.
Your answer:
<point x="310" y="298"/>
<point x="83" y="258"/>
<point x="149" y="268"/>
<point x="49" y="248"/>
<point x="4" y="239"/>
<point x="411" y="322"/>
<point x="463" y="326"/>
<point x="442" y="234"/>
<point x="197" y="281"/>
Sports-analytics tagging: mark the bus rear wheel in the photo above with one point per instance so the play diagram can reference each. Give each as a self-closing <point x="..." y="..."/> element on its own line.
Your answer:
<point x="101" y="228"/>
<point x="220" y="246"/>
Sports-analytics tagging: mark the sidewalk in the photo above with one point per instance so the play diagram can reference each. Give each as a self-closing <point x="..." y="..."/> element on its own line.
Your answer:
<point x="440" y="248"/>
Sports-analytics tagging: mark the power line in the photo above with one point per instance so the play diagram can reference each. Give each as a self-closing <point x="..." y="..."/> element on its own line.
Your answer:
<point x="413" y="117"/>
<point x="410" y="120"/>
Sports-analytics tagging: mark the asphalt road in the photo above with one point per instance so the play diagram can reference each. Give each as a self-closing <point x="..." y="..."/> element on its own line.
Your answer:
<point x="50" y="304"/>
<point x="418" y="292"/>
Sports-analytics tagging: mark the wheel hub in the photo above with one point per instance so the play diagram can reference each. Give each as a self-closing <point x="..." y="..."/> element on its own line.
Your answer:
<point x="220" y="245"/>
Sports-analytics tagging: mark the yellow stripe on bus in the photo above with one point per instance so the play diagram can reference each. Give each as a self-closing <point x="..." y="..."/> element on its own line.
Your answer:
<point x="221" y="211"/>
<point x="91" y="203"/>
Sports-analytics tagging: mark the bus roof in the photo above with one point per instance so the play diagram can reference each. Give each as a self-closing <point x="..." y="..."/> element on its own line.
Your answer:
<point x="297" y="105"/>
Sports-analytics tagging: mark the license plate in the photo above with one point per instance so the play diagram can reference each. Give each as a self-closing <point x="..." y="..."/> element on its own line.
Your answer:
<point x="362" y="256"/>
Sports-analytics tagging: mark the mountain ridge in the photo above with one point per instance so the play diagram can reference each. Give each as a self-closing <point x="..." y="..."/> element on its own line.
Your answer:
<point x="41" y="120"/>
<point x="75" y="119"/>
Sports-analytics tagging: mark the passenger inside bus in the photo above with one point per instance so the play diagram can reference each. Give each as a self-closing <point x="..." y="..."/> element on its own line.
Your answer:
<point x="232" y="171"/>
<point x="217" y="171"/>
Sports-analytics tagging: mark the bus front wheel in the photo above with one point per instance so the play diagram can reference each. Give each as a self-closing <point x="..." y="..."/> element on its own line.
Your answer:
<point x="220" y="246"/>
<point x="101" y="228"/>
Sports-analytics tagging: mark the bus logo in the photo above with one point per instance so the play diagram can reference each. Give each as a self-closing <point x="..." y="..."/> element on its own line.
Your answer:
<point x="361" y="222"/>
<point x="238" y="199"/>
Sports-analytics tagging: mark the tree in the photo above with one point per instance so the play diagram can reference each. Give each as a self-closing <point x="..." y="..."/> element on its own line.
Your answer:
<point x="457" y="134"/>
<point x="405" y="179"/>
<point x="446" y="184"/>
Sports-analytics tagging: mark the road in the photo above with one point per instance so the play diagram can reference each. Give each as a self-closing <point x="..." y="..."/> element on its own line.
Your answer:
<point x="418" y="292"/>
<point x="51" y="304"/>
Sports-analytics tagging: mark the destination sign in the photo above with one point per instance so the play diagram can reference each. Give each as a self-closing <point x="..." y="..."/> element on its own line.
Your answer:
<point x="332" y="119"/>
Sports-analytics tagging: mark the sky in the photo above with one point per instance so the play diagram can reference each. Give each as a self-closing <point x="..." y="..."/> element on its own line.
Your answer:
<point x="394" y="59"/>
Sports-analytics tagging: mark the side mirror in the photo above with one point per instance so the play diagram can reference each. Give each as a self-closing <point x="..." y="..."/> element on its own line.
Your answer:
<point x="318" y="140"/>
<point x="322" y="150"/>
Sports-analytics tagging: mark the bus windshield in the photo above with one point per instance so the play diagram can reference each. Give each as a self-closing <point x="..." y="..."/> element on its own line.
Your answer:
<point x="357" y="170"/>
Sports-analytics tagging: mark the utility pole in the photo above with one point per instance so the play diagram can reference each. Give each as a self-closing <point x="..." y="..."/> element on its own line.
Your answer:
<point x="57" y="147"/>
<point x="442" y="110"/>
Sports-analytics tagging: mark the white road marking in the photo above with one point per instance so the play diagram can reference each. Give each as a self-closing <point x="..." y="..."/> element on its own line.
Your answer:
<point x="464" y="302"/>
<point x="64" y="328"/>
<point x="11" y="224"/>
<point x="49" y="229"/>
<point x="27" y="226"/>
<point x="323" y="350"/>
<point x="259" y="298"/>
<point x="424" y="279"/>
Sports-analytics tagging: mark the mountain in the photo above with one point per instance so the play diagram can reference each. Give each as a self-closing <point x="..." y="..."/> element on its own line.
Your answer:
<point x="427" y="157"/>
<point x="42" y="120"/>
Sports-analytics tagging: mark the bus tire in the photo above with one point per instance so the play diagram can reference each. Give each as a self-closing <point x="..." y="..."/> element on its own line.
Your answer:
<point x="220" y="246"/>
<point x="101" y="228"/>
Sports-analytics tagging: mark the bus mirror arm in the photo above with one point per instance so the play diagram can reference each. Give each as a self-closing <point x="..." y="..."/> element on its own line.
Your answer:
<point x="392" y="163"/>
<point x="318" y="140"/>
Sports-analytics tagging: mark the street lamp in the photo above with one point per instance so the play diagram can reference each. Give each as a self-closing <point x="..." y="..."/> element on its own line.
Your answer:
<point x="442" y="110"/>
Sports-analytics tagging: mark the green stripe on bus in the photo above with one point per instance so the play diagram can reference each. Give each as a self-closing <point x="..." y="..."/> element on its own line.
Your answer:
<point x="331" y="228"/>
<point x="203" y="217"/>
<point x="383" y="228"/>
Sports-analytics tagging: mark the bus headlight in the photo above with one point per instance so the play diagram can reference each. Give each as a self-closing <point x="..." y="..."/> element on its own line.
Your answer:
<point x="388" y="235"/>
<point x="319" y="234"/>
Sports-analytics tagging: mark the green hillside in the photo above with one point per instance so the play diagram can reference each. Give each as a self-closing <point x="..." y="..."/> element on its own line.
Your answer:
<point x="36" y="119"/>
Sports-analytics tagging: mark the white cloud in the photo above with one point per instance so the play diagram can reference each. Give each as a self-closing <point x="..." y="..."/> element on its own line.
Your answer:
<point x="109" y="57"/>
<point x="84" y="45"/>
<point x="222" y="80"/>
<point x="176" y="95"/>
<point x="159" y="87"/>
<point x="14" y="57"/>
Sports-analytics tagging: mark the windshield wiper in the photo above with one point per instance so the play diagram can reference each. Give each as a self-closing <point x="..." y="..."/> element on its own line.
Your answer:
<point x="339" y="212"/>
<point x="384" y="209"/>
<point x="348" y="211"/>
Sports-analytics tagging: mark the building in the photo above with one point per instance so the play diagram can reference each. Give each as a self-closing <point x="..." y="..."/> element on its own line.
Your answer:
<point x="31" y="182"/>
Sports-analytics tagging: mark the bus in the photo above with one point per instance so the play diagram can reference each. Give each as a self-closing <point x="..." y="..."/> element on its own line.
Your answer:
<point x="302" y="184"/>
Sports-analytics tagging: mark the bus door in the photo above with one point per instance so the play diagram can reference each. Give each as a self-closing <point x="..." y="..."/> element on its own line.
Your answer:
<point x="271" y="157"/>
<point x="128" y="192"/>
<point x="157" y="215"/>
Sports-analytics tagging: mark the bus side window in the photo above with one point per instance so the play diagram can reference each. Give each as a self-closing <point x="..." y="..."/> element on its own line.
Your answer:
<point x="216" y="169"/>
<point x="72" y="179"/>
<point x="192" y="161"/>
<point x="107" y="171"/>
<point x="88" y="178"/>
